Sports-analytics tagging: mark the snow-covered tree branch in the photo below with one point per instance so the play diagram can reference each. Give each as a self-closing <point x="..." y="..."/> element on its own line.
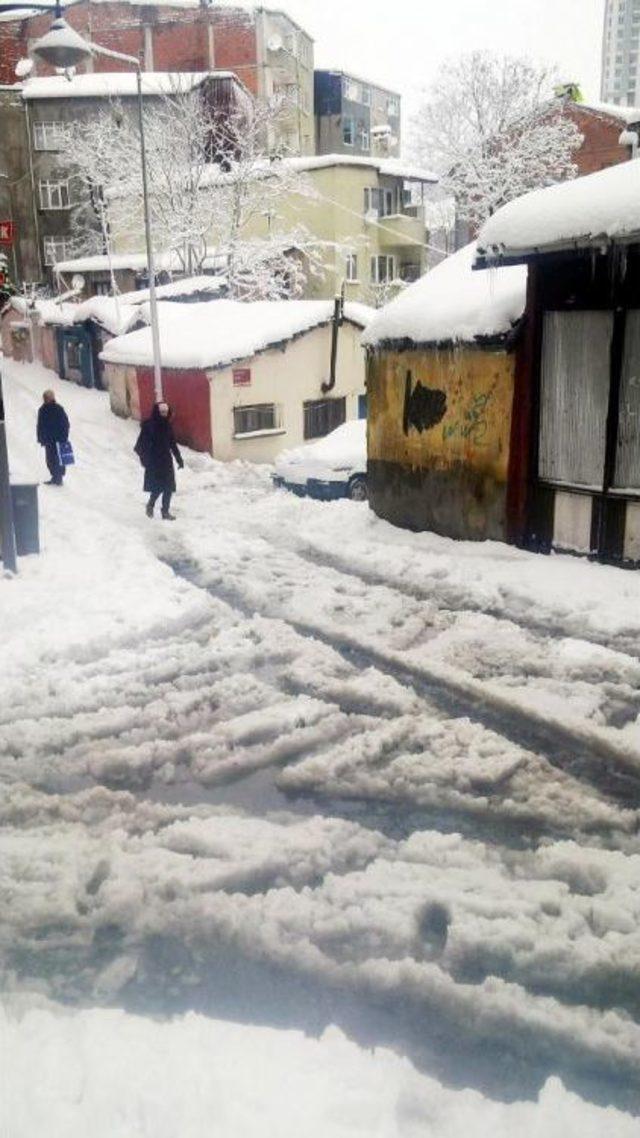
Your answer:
<point x="491" y="127"/>
<point x="214" y="189"/>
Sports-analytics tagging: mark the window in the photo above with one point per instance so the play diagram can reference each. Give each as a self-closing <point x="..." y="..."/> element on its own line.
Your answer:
<point x="393" y="107"/>
<point x="258" y="417"/>
<point x="351" y="267"/>
<point x="386" y="206"/>
<point x="49" y="135"/>
<point x="382" y="269"/>
<point x="363" y="138"/>
<point x="54" y="194"/>
<point x="350" y="90"/>
<point x="102" y="288"/>
<point x="347" y="131"/>
<point x="57" y="249"/>
<point x="322" y="416"/>
<point x="366" y="96"/>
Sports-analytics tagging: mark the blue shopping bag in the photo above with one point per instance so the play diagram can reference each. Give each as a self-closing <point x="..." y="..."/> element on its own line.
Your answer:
<point x="66" y="456"/>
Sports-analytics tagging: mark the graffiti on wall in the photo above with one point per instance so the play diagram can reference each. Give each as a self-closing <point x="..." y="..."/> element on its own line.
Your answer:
<point x="472" y="424"/>
<point x="424" y="407"/>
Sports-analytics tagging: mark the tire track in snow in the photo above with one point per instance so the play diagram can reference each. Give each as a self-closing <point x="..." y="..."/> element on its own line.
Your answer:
<point x="587" y="751"/>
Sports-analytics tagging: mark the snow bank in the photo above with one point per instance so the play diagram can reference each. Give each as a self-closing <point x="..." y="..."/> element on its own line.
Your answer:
<point x="115" y="1075"/>
<point x="453" y="303"/>
<point x="586" y="211"/>
<point x="215" y="333"/>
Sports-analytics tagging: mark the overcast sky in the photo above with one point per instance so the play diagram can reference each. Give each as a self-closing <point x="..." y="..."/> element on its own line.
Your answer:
<point x="402" y="44"/>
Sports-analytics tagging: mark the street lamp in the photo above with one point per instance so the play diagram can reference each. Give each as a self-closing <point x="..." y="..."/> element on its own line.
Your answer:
<point x="63" y="47"/>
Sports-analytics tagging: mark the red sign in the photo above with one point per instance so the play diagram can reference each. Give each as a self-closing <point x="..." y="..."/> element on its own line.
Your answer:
<point x="6" y="232"/>
<point x="3" y="278"/>
<point x="242" y="377"/>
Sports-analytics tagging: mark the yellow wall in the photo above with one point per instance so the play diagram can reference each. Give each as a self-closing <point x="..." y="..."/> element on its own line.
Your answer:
<point x="475" y="428"/>
<point x="452" y="476"/>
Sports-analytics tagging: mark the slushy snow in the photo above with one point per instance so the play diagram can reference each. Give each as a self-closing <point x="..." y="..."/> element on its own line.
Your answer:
<point x="285" y="765"/>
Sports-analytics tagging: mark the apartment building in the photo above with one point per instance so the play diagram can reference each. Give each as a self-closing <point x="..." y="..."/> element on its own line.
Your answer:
<point x="355" y="116"/>
<point x="35" y="118"/>
<point x="620" y="48"/>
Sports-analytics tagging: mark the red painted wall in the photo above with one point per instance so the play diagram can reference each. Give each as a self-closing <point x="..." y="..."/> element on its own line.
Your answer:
<point x="188" y="393"/>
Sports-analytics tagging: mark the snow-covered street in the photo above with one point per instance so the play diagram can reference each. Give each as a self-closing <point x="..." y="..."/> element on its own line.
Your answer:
<point x="285" y="766"/>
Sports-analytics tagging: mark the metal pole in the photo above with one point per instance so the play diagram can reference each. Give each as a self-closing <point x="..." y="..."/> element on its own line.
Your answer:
<point x="153" y="302"/>
<point x="7" y="530"/>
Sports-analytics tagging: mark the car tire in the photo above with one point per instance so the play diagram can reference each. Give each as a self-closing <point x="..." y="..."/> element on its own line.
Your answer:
<point x="358" y="489"/>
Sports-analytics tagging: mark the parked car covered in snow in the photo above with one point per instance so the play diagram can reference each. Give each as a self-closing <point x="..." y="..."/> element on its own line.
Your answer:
<point x="332" y="467"/>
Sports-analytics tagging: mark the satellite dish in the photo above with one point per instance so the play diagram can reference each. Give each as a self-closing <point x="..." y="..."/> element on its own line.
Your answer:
<point x="77" y="282"/>
<point x="24" y="67"/>
<point x="275" y="43"/>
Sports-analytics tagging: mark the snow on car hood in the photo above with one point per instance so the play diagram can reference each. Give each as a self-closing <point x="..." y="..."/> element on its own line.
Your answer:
<point x="344" y="447"/>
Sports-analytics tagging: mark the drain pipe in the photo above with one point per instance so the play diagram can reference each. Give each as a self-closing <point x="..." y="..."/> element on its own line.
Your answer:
<point x="338" y="313"/>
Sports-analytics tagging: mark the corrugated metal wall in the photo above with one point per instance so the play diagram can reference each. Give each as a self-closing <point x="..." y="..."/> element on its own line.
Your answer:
<point x="574" y="397"/>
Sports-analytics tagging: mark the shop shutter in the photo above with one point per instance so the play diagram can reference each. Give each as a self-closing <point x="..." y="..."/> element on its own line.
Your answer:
<point x="574" y="397"/>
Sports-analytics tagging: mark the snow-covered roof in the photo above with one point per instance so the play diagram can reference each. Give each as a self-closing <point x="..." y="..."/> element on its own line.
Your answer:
<point x="586" y="212"/>
<point x="216" y="333"/>
<point x="624" y="114"/>
<point x="116" y="84"/>
<point x="110" y="312"/>
<point x="392" y="167"/>
<point x="453" y="303"/>
<point x="137" y="262"/>
<point x="189" y="286"/>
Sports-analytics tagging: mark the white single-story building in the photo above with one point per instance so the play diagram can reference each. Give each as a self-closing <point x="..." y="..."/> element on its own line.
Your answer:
<point x="245" y="380"/>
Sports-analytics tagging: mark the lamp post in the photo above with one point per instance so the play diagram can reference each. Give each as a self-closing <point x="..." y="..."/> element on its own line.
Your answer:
<point x="63" y="47"/>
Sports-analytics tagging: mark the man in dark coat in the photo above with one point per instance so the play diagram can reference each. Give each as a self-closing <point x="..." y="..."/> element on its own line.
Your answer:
<point x="155" y="447"/>
<point x="53" y="428"/>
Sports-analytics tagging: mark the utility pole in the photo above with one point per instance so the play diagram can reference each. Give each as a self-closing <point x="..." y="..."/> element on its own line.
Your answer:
<point x="7" y="530"/>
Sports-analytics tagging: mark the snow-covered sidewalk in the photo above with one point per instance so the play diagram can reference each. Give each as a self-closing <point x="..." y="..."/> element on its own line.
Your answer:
<point x="281" y="763"/>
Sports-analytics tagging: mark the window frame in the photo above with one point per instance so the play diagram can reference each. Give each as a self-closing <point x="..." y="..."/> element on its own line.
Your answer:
<point x="374" y="268"/>
<point x="351" y="268"/>
<point x="52" y="134"/>
<point x="348" y="119"/>
<point x="338" y="412"/>
<point x="53" y="241"/>
<point x="274" y="427"/>
<point x="49" y="189"/>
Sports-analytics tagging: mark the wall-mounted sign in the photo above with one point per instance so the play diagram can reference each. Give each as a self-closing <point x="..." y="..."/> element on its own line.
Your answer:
<point x="242" y="377"/>
<point x="6" y="232"/>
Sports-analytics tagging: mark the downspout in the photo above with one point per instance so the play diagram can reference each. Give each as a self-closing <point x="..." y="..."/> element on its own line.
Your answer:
<point x="338" y="316"/>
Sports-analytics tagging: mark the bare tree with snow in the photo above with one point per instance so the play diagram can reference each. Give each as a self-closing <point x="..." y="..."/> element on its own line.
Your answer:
<point x="212" y="186"/>
<point x="492" y="128"/>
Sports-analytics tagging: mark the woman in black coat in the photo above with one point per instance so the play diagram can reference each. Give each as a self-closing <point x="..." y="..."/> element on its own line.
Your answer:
<point x="155" y="447"/>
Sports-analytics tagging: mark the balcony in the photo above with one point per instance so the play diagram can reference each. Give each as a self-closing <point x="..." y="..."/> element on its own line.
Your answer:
<point x="400" y="229"/>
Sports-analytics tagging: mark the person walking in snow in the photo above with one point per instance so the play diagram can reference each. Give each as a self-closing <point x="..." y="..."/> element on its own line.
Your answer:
<point x="52" y="428"/>
<point x="156" y="448"/>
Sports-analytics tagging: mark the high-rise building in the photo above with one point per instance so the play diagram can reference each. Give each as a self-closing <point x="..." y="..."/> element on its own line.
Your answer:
<point x="620" y="44"/>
